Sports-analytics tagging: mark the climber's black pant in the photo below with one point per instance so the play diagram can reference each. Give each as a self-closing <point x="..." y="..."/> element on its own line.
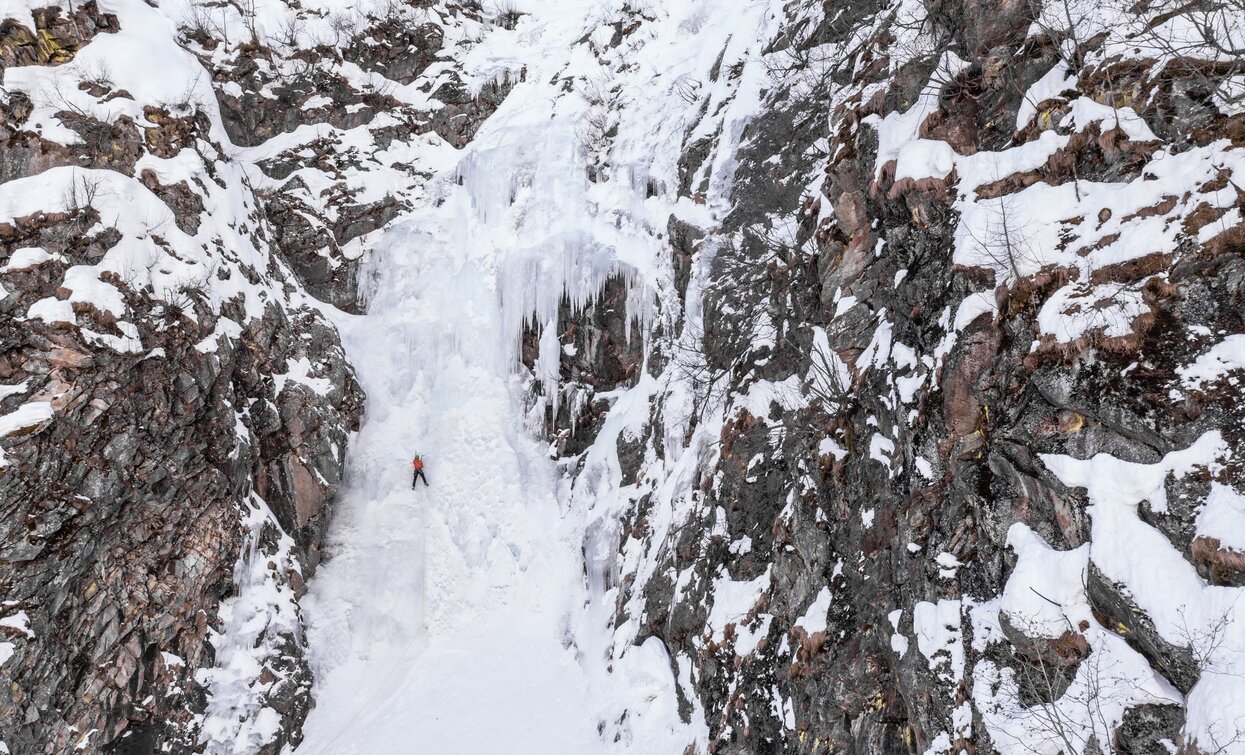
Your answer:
<point x="419" y="475"/>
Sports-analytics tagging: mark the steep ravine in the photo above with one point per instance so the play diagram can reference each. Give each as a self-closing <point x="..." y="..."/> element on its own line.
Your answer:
<point x="794" y="376"/>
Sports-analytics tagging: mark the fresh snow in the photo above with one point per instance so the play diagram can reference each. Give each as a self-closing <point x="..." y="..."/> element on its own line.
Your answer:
<point x="1223" y="518"/>
<point x="18" y="622"/>
<point x="1223" y="357"/>
<point x="814" y="619"/>
<point x="25" y="418"/>
<point x="733" y="604"/>
<point x="937" y="630"/>
<point x="899" y="643"/>
<point x="924" y="158"/>
<point x="25" y="258"/>
<point x="1056" y="81"/>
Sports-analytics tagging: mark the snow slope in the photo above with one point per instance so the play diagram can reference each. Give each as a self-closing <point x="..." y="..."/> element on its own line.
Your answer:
<point x="442" y="609"/>
<point x="457" y="619"/>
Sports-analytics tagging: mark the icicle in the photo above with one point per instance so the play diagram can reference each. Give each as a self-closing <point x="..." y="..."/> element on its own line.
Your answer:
<point x="548" y="362"/>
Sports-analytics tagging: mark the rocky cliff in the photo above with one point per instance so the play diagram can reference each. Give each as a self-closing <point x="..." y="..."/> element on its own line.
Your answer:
<point x="181" y="184"/>
<point x="946" y="462"/>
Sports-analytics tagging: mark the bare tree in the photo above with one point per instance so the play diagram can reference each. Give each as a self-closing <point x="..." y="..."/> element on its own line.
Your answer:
<point x="97" y="75"/>
<point x="1005" y="241"/>
<point x="344" y="25"/>
<point x="1203" y="41"/>
<point x="81" y="192"/>
<point x="249" y="13"/>
<point x="914" y="35"/>
<point x="829" y="378"/>
<point x="290" y="33"/>
<point x="1065" y="687"/>
<point x="505" y="14"/>
<point x="200" y="24"/>
<point x="1069" y="25"/>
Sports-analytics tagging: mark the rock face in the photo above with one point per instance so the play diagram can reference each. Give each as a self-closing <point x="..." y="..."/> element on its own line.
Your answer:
<point x="970" y="247"/>
<point x="174" y="408"/>
<point x="175" y="414"/>
<point x="599" y="350"/>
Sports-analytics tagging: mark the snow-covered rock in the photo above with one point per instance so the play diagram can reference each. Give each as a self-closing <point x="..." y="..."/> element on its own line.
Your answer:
<point x="791" y="376"/>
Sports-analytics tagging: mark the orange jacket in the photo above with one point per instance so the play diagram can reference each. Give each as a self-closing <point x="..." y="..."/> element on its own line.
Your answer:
<point x="417" y="463"/>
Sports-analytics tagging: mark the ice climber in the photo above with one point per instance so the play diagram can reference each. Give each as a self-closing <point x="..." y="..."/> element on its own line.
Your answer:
<point x="418" y="464"/>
